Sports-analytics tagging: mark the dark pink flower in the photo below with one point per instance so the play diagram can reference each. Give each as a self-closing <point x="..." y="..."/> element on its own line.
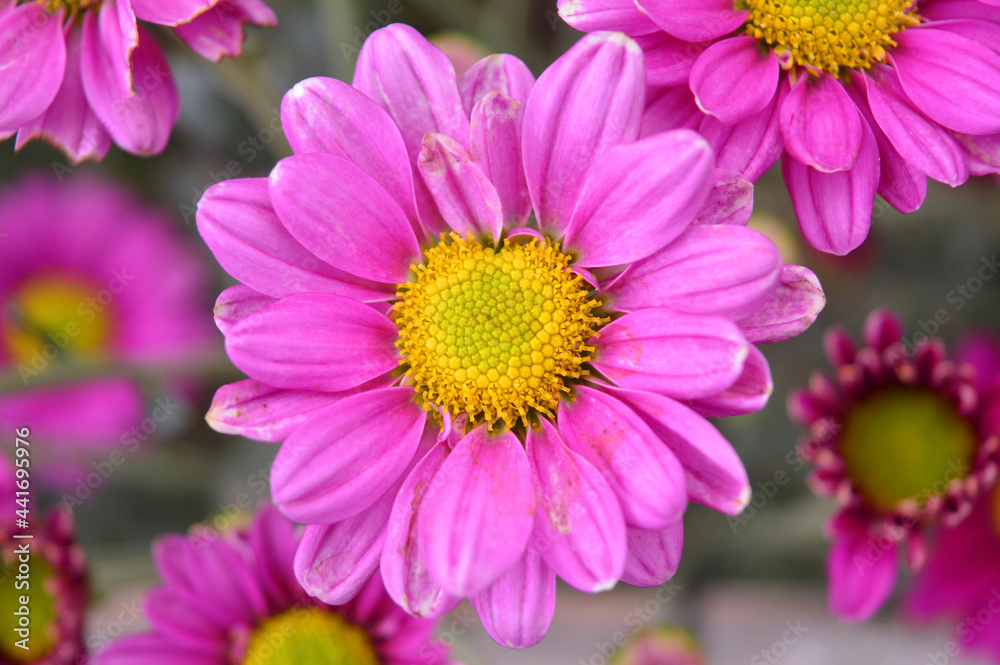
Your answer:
<point x="904" y="438"/>
<point x="83" y="73"/>
<point x="855" y="97"/>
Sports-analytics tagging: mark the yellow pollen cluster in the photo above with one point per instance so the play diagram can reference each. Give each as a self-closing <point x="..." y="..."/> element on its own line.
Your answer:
<point x="72" y="6"/>
<point x="495" y="333"/>
<point x="826" y="35"/>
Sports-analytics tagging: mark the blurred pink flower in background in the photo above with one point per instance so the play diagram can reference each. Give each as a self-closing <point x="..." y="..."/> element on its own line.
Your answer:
<point x="662" y="645"/>
<point x="82" y="74"/>
<point x="616" y="271"/>
<point x="90" y="276"/>
<point x="855" y="97"/>
<point x="905" y="438"/>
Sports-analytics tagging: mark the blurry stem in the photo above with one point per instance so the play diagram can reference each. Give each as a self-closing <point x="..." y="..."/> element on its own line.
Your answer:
<point x="243" y="84"/>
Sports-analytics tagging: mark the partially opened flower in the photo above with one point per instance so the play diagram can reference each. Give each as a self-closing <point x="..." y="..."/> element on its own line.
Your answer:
<point x="90" y="275"/>
<point x="898" y="436"/>
<point x="43" y="564"/>
<point x="83" y="73"/>
<point x="233" y="599"/>
<point x="487" y="323"/>
<point x="855" y="97"/>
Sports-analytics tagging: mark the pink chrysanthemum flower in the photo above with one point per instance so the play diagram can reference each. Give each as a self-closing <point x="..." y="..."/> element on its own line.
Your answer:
<point x="54" y="570"/>
<point x="84" y="73"/>
<point x="90" y="275"/>
<point x="564" y="299"/>
<point x="232" y="599"/>
<point x="854" y="97"/>
<point x="897" y="436"/>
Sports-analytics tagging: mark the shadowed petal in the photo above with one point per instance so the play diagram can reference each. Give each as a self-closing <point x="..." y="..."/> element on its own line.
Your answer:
<point x="517" y="609"/>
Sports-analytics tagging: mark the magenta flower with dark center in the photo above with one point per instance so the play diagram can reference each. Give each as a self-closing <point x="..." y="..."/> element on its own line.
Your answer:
<point x="82" y="74"/>
<point x="903" y="438"/>
<point x="854" y="97"/>
<point x="487" y="324"/>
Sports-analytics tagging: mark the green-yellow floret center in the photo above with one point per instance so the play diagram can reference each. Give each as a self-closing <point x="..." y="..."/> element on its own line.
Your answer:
<point x="35" y="586"/>
<point x="310" y="635"/>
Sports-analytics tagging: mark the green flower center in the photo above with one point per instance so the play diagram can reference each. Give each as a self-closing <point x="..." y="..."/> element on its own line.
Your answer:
<point x="35" y="587"/>
<point x="906" y="443"/>
<point x="494" y="333"/>
<point x="302" y="636"/>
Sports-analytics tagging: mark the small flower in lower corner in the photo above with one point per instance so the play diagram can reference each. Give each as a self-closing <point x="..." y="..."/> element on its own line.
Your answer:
<point x="661" y="645"/>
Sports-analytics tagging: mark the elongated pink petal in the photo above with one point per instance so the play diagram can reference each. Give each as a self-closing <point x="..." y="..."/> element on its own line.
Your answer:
<point x="748" y="394"/>
<point x="344" y="216"/>
<point x="33" y="62"/>
<point x="643" y="473"/>
<point x="676" y="354"/>
<point x="668" y="59"/>
<point x="237" y="303"/>
<point x="668" y="109"/>
<point x="500" y="73"/>
<point x="594" y="15"/>
<point x="314" y="341"/>
<point x="694" y="20"/>
<point x="273" y="540"/>
<point x="517" y="609"/>
<point x="653" y="556"/>
<point x="971" y="73"/>
<point x="257" y="411"/>
<point x="638" y="197"/>
<point x="729" y="202"/>
<point x="326" y="115"/>
<point x="237" y="222"/>
<point x="862" y="571"/>
<point x="733" y="79"/>
<point x="790" y="309"/>
<point x="478" y="512"/>
<point x="464" y="195"/>
<point x="835" y="209"/>
<point x="342" y="460"/>
<point x="589" y="101"/>
<point x="219" y="32"/>
<point x="404" y="570"/>
<point x="170" y="13"/>
<point x="710" y="269"/>
<point x="579" y="527"/>
<point x="820" y="124"/>
<point x="749" y="147"/>
<point x="496" y="146"/>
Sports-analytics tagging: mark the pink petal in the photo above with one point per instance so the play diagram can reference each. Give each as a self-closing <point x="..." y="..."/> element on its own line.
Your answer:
<point x="273" y="540"/>
<point x="33" y="62"/>
<point x="643" y="473"/>
<point x="579" y="528"/>
<point x="862" y="571"/>
<point x="170" y="13"/>
<point x="749" y="147"/>
<point x="733" y="79"/>
<point x="326" y="115"/>
<point x="694" y="20"/>
<point x="668" y="59"/>
<point x="729" y="202"/>
<point x="219" y="32"/>
<point x="403" y="567"/>
<point x="595" y="15"/>
<point x="589" y="101"/>
<point x="342" y="460"/>
<point x="971" y="73"/>
<point x="257" y="411"/>
<point x="710" y="269"/>
<point x="835" y="209"/>
<point x="496" y="146"/>
<point x="821" y="125"/>
<point x="464" y="195"/>
<point x="675" y="354"/>
<point x="237" y="303"/>
<point x="479" y="512"/>
<point x="653" y="556"/>
<point x="314" y="341"/>
<point x="714" y="474"/>
<point x="500" y="73"/>
<point x="790" y="309"/>
<point x="155" y="649"/>
<point x="670" y="108"/>
<point x="344" y="216"/>
<point x="749" y="393"/>
<point x="638" y="197"/>
<point x="517" y="609"/>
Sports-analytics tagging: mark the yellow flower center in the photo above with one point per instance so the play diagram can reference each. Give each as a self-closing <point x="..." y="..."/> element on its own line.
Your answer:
<point x="311" y="635"/>
<point x="829" y="34"/>
<point x="72" y="6"/>
<point x="906" y="443"/>
<point x="495" y="333"/>
<point x="41" y="609"/>
<point x="56" y="316"/>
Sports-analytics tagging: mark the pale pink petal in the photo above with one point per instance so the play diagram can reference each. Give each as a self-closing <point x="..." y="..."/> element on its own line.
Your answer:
<point x="638" y="197"/>
<point x="496" y="73"/>
<point x="496" y="146"/>
<point x="790" y="309"/>
<point x="341" y="461"/>
<point x="820" y="124"/>
<point x="589" y="101"/>
<point x="219" y="32"/>
<point x="653" y="556"/>
<point x="748" y="394"/>
<point x="258" y="411"/>
<point x="643" y="473"/>
<point x="517" y="609"/>
<point x="344" y="216"/>
<point x="694" y="20"/>
<point x="33" y="62"/>
<point x="314" y="341"/>
<point x="734" y="79"/>
<point x="680" y="355"/>
<point x="594" y="15"/>
<point x="729" y="202"/>
<point x="579" y="527"/>
<point x="478" y="512"/>
<point x="862" y="569"/>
